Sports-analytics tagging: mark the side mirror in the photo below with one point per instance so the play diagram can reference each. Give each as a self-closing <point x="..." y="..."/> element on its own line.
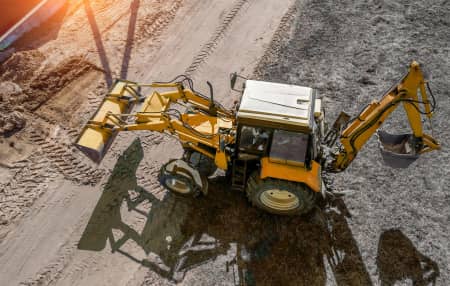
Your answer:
<point x="234" y="78"/>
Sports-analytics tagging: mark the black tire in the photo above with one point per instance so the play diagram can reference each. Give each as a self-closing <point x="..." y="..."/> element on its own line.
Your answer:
<point x="178" y="184"/>
<point x="202" y="163"/>
<point x="296" y="198"/>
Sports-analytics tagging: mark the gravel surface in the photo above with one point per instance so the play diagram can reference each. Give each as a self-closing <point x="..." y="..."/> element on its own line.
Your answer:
<point x="352" y="51"/>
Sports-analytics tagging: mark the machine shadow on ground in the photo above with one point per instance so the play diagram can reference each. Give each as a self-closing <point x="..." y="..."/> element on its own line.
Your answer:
<point x="398" y="260"/>
<point x="134" y="7"/>
<point x="98" y="42"/>
<point x="180" y="234"/>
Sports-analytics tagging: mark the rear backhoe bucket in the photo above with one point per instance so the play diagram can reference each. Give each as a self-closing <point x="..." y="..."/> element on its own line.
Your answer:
<point x="97" y="135"/>
<point x="397" y="150"/>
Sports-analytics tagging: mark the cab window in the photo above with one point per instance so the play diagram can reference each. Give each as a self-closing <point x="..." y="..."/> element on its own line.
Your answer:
<point x="289" y="146"/>
<point x="254" y="139"/>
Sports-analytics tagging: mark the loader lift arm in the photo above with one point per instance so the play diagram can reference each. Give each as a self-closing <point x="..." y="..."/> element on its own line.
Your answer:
<point x="354" y="133"/>
<point x="205" y="128"/>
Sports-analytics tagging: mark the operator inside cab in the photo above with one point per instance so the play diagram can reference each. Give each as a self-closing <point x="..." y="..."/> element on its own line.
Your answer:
<point x="286" y="147"/>
<point x="254" y="139"/>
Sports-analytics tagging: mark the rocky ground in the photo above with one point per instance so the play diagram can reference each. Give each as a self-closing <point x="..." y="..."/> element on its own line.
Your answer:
<point x="352" y="52"/>
<point x="66" y="221"/>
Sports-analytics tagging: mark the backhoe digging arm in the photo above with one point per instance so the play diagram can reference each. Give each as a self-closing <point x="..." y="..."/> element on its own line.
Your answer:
<point x="358" y="130"/>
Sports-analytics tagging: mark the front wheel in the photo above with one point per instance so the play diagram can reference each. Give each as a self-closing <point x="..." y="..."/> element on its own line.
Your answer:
<point x="179" y="185"/>
<point x="181" y="179"/>
<point x="279" y="196"/>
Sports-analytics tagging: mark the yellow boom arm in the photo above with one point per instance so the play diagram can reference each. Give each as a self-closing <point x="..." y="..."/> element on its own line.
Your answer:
<point x="361" y="128"/>
<point x="199" y="129"/>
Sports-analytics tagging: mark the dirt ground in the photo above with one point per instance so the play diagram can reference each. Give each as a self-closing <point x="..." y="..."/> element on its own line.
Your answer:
<point x="67" y="221"/>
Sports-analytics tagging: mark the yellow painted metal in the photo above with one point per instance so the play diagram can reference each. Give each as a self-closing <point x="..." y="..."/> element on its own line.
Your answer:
<point x="430" y="144"/>
<point x="153" y="106"/>
<point x="154" y="115"/>
<point x="279" y="200"/>
<point x="221" y="160"/>
<point x="195" y="147"/>
<point x="372" y="117"/>
<point x="95" y="140"/>
<point x="294" y="173"/>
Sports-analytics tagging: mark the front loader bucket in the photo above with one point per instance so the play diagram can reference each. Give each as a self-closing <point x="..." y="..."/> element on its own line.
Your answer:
<point x="396" y="150"/>
<point x="97" y="135"/>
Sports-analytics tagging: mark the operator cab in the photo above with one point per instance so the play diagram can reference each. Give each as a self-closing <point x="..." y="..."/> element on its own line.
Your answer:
<point x="278" y="121"/>
<point x="281" y="146"/>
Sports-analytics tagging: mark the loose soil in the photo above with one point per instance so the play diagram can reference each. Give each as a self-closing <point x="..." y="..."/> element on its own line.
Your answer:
<point x="67" y="221"/>
<point x="33" y="85"/>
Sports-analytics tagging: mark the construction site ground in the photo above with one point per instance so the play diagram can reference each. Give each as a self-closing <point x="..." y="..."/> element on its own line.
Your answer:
<point x="67" y="221"/>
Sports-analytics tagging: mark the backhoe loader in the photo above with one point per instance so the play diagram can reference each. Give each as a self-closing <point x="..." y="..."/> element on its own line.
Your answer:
<point x="273" y="145"/>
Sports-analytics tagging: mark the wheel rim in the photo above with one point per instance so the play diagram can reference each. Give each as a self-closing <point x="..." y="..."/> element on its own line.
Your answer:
<point x="178" y="185"/>
<point x="279" y="200"/>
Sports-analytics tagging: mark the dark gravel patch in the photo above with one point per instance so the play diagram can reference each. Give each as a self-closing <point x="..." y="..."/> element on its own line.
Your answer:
<point x="352" y="51"/>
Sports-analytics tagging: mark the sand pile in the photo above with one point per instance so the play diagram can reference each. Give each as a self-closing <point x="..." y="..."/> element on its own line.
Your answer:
<point x="26" y="83"/>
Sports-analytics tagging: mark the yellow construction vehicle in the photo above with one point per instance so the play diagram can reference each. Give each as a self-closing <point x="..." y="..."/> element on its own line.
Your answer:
<point x="273" y="145"/>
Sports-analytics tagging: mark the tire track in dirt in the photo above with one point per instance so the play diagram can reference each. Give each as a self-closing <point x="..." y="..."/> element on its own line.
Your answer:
<point x="30" y="180"/>
<point x="51" y="272"/>
<point x="209" y="47"/>
<point x="280" y="36"/>
<point x="55" y="157"/>
<point x="148" y="171"/>
<point x="147" y="177"/>
<point x="282" y="32"/>
<point x="159" y="21"/>
<point x="94" y="98"/>
<point x="158" y="24"/>
<point x="33" y="175"/>
<point x="65" y="161"/>
<point x="148" y="174"/>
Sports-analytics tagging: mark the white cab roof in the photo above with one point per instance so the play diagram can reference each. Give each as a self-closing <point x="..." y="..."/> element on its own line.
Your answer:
<point x="277" y="103"/>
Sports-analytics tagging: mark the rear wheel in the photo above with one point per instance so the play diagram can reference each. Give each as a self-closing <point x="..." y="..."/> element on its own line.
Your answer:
<point x="279" y="196"/>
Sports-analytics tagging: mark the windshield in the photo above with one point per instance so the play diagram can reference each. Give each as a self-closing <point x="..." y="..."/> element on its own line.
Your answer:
<point x="289" y="146"/>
